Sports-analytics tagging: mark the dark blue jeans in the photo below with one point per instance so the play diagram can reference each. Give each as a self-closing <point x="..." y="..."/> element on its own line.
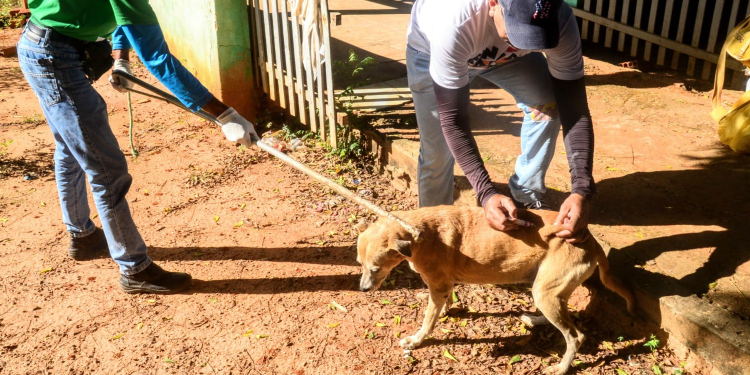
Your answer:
<point x="84" y="147"/>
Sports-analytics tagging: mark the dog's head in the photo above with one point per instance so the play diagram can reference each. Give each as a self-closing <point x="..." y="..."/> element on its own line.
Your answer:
<point x="379" y="249"/>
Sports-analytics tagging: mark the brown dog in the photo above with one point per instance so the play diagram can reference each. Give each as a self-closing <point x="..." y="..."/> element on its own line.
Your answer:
<point x="459" y="247"/>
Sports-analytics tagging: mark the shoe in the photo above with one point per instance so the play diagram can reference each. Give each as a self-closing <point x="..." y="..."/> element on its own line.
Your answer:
<point x="155" y="280"/>
<point x="93" y="246"/>
<point x="536" y="205"/>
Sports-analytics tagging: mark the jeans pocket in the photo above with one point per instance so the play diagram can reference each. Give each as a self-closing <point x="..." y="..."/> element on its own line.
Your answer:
<point x="42" y="79"/>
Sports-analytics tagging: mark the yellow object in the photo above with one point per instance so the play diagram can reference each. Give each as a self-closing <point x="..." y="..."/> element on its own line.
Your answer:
<point x="734" y="124"/>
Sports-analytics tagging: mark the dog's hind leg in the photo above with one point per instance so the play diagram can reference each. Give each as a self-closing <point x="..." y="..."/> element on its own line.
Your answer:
<point x="438" y="296"/>
<point x="534" y="320"/>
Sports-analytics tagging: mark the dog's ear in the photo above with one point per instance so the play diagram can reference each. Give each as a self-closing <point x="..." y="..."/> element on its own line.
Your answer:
<point x="362" y="225"/>
<point x="403" y="247"/>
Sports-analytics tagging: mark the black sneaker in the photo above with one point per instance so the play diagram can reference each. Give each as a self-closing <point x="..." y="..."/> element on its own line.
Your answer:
<point x="537" y="205"/>
<point x="93" y="246"/>
<point x="155" y="280"/>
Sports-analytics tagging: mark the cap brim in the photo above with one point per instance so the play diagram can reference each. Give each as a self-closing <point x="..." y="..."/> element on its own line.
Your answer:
<point x="532" y="37"/>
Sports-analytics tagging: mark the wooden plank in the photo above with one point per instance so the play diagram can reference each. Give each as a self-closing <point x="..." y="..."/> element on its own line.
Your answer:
<point x="597" y="27"/>
<point x="624" y="21"/>
<point x="651" y="27"/>
<point x="585" y="23"/>
<point x="306" y="55"/>
<point x="610" y="15"/>
<point x="269" y="52"/>
<point x="262" y="61"/>
<point x="331" y="109"/>
<point x="665" y="31"/>
<point x="713" y="36"/>
<point x="696" y="34"/>
<point x="298" y="82"/>
<point x="656" y="39"/>
<point x="680" y="32"/>
<point x="288" y="59"/>
<point x="277" y="48"/>
<point x="637" y="25"/>
<point x="319" y="85"/>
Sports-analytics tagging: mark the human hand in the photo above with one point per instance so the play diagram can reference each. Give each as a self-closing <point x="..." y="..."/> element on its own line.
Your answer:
<point x="574" y="217"/>
<point x="118" y="83"/>
<point x="500" y="213"/>
<point x="236" y="128"/>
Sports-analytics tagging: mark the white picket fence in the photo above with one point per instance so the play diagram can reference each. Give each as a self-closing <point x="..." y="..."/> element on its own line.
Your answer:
<point x="657" y="30"/>
<point x="304" y="90"/>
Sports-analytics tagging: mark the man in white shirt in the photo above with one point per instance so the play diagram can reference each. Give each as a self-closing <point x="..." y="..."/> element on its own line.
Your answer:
<point x="452" y="41"/>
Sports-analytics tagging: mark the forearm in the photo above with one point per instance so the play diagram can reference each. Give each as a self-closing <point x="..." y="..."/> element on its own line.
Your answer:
<point x="148" y="42"/>
<point x="453" y="107"/>
<point x="578" y="133"/>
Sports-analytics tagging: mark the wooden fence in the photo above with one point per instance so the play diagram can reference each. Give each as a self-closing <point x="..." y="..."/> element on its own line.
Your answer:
<point x="304" y="90"/>
<point x="685" y="35"/>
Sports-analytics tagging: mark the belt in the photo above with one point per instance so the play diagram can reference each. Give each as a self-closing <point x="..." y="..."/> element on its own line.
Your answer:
<point x="54" y="36"/>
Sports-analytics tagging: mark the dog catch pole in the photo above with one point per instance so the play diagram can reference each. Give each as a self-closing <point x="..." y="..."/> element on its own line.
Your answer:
<point x="161" y="95"/>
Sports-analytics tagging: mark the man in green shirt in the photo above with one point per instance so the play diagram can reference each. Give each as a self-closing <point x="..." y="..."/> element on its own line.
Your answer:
<point x="50" y="53"/>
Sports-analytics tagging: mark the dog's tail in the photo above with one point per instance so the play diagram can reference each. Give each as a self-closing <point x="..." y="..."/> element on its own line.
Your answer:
<point x="610" y="281"/>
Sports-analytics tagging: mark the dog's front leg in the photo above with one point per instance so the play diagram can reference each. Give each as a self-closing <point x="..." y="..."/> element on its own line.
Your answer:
<point x="437" y="301"/>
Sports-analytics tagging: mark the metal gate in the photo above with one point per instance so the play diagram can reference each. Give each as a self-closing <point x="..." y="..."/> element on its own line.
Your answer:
<point x="291" y="42"/>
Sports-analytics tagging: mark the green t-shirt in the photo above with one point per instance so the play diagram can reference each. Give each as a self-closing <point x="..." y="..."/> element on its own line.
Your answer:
<point x="90" y="19"/>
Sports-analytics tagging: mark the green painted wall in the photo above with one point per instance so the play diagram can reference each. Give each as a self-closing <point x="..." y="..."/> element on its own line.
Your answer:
<point x="212" y="39"/>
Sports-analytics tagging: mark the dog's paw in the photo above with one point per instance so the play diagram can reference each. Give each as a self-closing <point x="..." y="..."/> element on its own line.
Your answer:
<point x="555" y="370"/>
<point x="410" y="342"/>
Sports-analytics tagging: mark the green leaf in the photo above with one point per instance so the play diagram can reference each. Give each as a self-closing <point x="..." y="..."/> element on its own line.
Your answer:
<point x="45" y="270"/>
<point x="712" y="285"/>
<point x="516" y="358"/>
<point x="213" y="299"/>
<point x="248" y="333"/>
<point x="386" y="302"/>
<point x="397" y="320"/>
<point x="455" y="297"/>
<point x="448" y="355"/>
<point x="378" y="324"/>
<point x="169" y="360"/>
<point x="117" y="336"/>
<point x="260" y="336"/>
<point x="621" y="372"/>
<point x="656" y="370"/>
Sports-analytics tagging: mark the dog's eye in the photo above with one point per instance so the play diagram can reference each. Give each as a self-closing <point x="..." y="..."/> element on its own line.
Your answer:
<point x="375" y="269"/>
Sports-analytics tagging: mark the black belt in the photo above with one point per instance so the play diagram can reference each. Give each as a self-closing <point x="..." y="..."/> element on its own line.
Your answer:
<point x="53" y="36"/>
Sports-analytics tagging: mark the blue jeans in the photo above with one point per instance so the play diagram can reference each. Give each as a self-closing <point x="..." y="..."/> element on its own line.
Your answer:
<point x="84" y="147"/>
<point x="527" y="79"/>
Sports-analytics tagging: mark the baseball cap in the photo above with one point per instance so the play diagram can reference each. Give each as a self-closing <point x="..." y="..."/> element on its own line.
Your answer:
<point x="532" y="24"/>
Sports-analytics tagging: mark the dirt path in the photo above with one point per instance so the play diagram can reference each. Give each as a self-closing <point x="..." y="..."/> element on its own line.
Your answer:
<point x="270" y="253"/>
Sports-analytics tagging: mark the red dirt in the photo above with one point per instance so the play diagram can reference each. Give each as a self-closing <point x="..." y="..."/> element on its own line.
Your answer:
<point x="262" y="300"/>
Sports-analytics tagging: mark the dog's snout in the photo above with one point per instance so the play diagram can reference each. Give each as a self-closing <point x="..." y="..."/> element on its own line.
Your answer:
<point x="364" y="288"/>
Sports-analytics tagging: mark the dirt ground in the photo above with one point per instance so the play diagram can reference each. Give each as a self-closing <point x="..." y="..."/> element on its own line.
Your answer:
<point x="271" y="253"/>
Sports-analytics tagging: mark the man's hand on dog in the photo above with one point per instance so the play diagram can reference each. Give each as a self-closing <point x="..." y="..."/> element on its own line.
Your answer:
<point x="574" y="216"/>
<point x="500" y="213"/>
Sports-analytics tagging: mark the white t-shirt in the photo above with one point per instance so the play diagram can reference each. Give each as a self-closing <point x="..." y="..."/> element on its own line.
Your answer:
<point x="460" y="35"/>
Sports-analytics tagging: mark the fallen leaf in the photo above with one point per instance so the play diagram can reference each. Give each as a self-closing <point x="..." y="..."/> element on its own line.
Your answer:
<point x="378" y="324"/>
<point x="260" y="336"/>
<point x="455" y="297"/>
<point x="94" y="217"/>
<point x="242" y="206"/>
<point x="621" y="372"/>
<point x="613" y="169"/>
<point x="639" y="235"/>
<point x="463" y="323"/>
<point x="42" y="204"/>
<point x="333" y="325"/>
<point x="608" y="345"/>
<point x="444" y="319"/>
<point x="216" y="219"/>
<point x="472" y="310"/>
<point x="398" y="334"/>
<point x="248" y="333"/>
<point x="397" y="320"/>
<point x="45" y="270"/>
<point x="213" y="300"/>
<point x="385" y="302"/>
<point x="338" y="307"/>
<point x="239" y="224"/>
<point x="448" y="355"/>
<point x="712" y="285"/>
<point x="151" y="301"/>
<point x="516" y="358"/>
<point x="446" y="330"/>
<point x="166" y="318"/>
<point x="169" y="360"/>
<point x="117" y="336"/>
<point x="3" y="219"/>
<point x="140" y="325"/>
<point x="414" y="306"/>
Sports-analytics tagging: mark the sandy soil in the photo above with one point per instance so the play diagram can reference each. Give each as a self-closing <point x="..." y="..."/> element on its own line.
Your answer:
<point x="272" y="257"/>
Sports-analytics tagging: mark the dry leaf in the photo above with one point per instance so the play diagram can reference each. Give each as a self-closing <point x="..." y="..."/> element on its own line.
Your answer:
<point x="448" y="355"/>
<point x="338" y="307"/>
